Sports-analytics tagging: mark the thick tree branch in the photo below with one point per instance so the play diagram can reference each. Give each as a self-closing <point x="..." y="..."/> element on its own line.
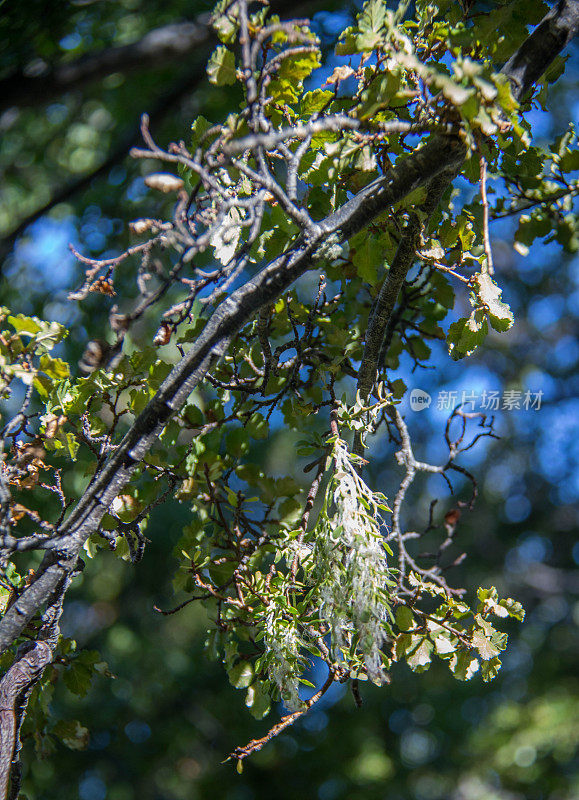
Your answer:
<point x="552" y="34"/>
<point x="384" y="304"/>
<point x="27" y="668"/>
<point x="555" y="31"/>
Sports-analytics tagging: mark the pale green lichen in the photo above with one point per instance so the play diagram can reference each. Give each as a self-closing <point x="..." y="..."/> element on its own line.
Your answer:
<point x="283" y="649"/>
<point x="351" y="565"/>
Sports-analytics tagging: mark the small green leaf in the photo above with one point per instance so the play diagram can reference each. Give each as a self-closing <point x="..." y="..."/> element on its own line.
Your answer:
<point x="421" y="656"/>
<point x="198" y="130"/>
<point x="463" y="665"/>
<point x="69" y="440"/>
<point x="487" y="640"/>
<point x="404" y="618"/>
<point x="513" y="608"/>
<point x="258" y="426"/>
<point x="490" y="669"/>
<point x="221" y="67"/>
<point x="72" y="734"/>
<point x="314" y="102"/>
<point x="224" y="21"/>
<point x="367" y="254"/>
<point x="55" y="368"/>
<point x="371" y="25"/>
<point x="29" y="326"/>
<point x="500" y="315"/>
<point x="465" y="335"/>
<point x="80" y="673"/>
<point x="398" y="388"/>
<point x="241" y="675"/>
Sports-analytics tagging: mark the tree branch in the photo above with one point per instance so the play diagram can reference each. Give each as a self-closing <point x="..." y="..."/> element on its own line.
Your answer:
<point x="384" y="304"/>
<point x="323" y="242"/>
<point x="552" y="34"/>
<point x="527" y="65"/>
<point x="161" y="46"/>
<point x="26" y="669"/>
<point x="116" y="155"/>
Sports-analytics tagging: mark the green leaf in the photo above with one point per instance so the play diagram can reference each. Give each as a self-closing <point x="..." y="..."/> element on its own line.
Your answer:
<point x="81" y="671"/>
<point x="398" y="388"/>
<point x="567" y="233"/>
<point x="43" y="386"/>
<point x="347" y="44"/>
<point x="443" y="291"/>
<point x="44" y="334"/>
<point x="224" y="21"/>
<point x="513" y="608"/>
<point x="490" y="669"/>
<point x="241" y="675"/>
<point x="485" y="595"/>
<point x="258" y="700"/>
<point x="367" y="255"/>
<point x="371" y="25"/>
<point x="500" y="315"/>
<point x="404" y="618"/>
<point x="488" y="641"/>
<point x="420" y="657"/>
<point x="444" y="642"/>
<point x="221" y="67"/>
<point x="29" y="326"/>
<point x="258" y="426"/>
<point x="463" y="665"/>
<point x="314" y="102"/>
<point x="221" y="573"/>
<point x="286" y="87"/>
<point x="416" y="649"/>
<point x="465" y="335"/>
<point x="69" y="440"/>
<point x="418" y="348"/>
<point x="5" y="595"/>
<point x="72" y="734"/>
<point x="380" y="94"/>
<point x="55" y="368"/>
<point x="198" y="130"/>
<point x="569" y="161"/>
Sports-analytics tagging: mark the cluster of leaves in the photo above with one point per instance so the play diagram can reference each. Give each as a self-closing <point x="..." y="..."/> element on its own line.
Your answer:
<point x="24" y="353"/>
<point x="77" y="669"/>
<point x="325" y="591"/>
<point x="445" y="632"/>
<point x="543" y="186"/>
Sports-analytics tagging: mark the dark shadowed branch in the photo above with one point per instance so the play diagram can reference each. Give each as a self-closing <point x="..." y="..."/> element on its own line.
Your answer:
<point x="169" y="44"/>
<point x="116" y="155"/>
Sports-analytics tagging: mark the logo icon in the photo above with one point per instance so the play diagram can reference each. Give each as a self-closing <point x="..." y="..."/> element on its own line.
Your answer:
<point x="419" y="399"/>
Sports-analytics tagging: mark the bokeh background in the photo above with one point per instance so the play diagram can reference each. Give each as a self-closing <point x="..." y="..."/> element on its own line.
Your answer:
<point x="162" y="726"/>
